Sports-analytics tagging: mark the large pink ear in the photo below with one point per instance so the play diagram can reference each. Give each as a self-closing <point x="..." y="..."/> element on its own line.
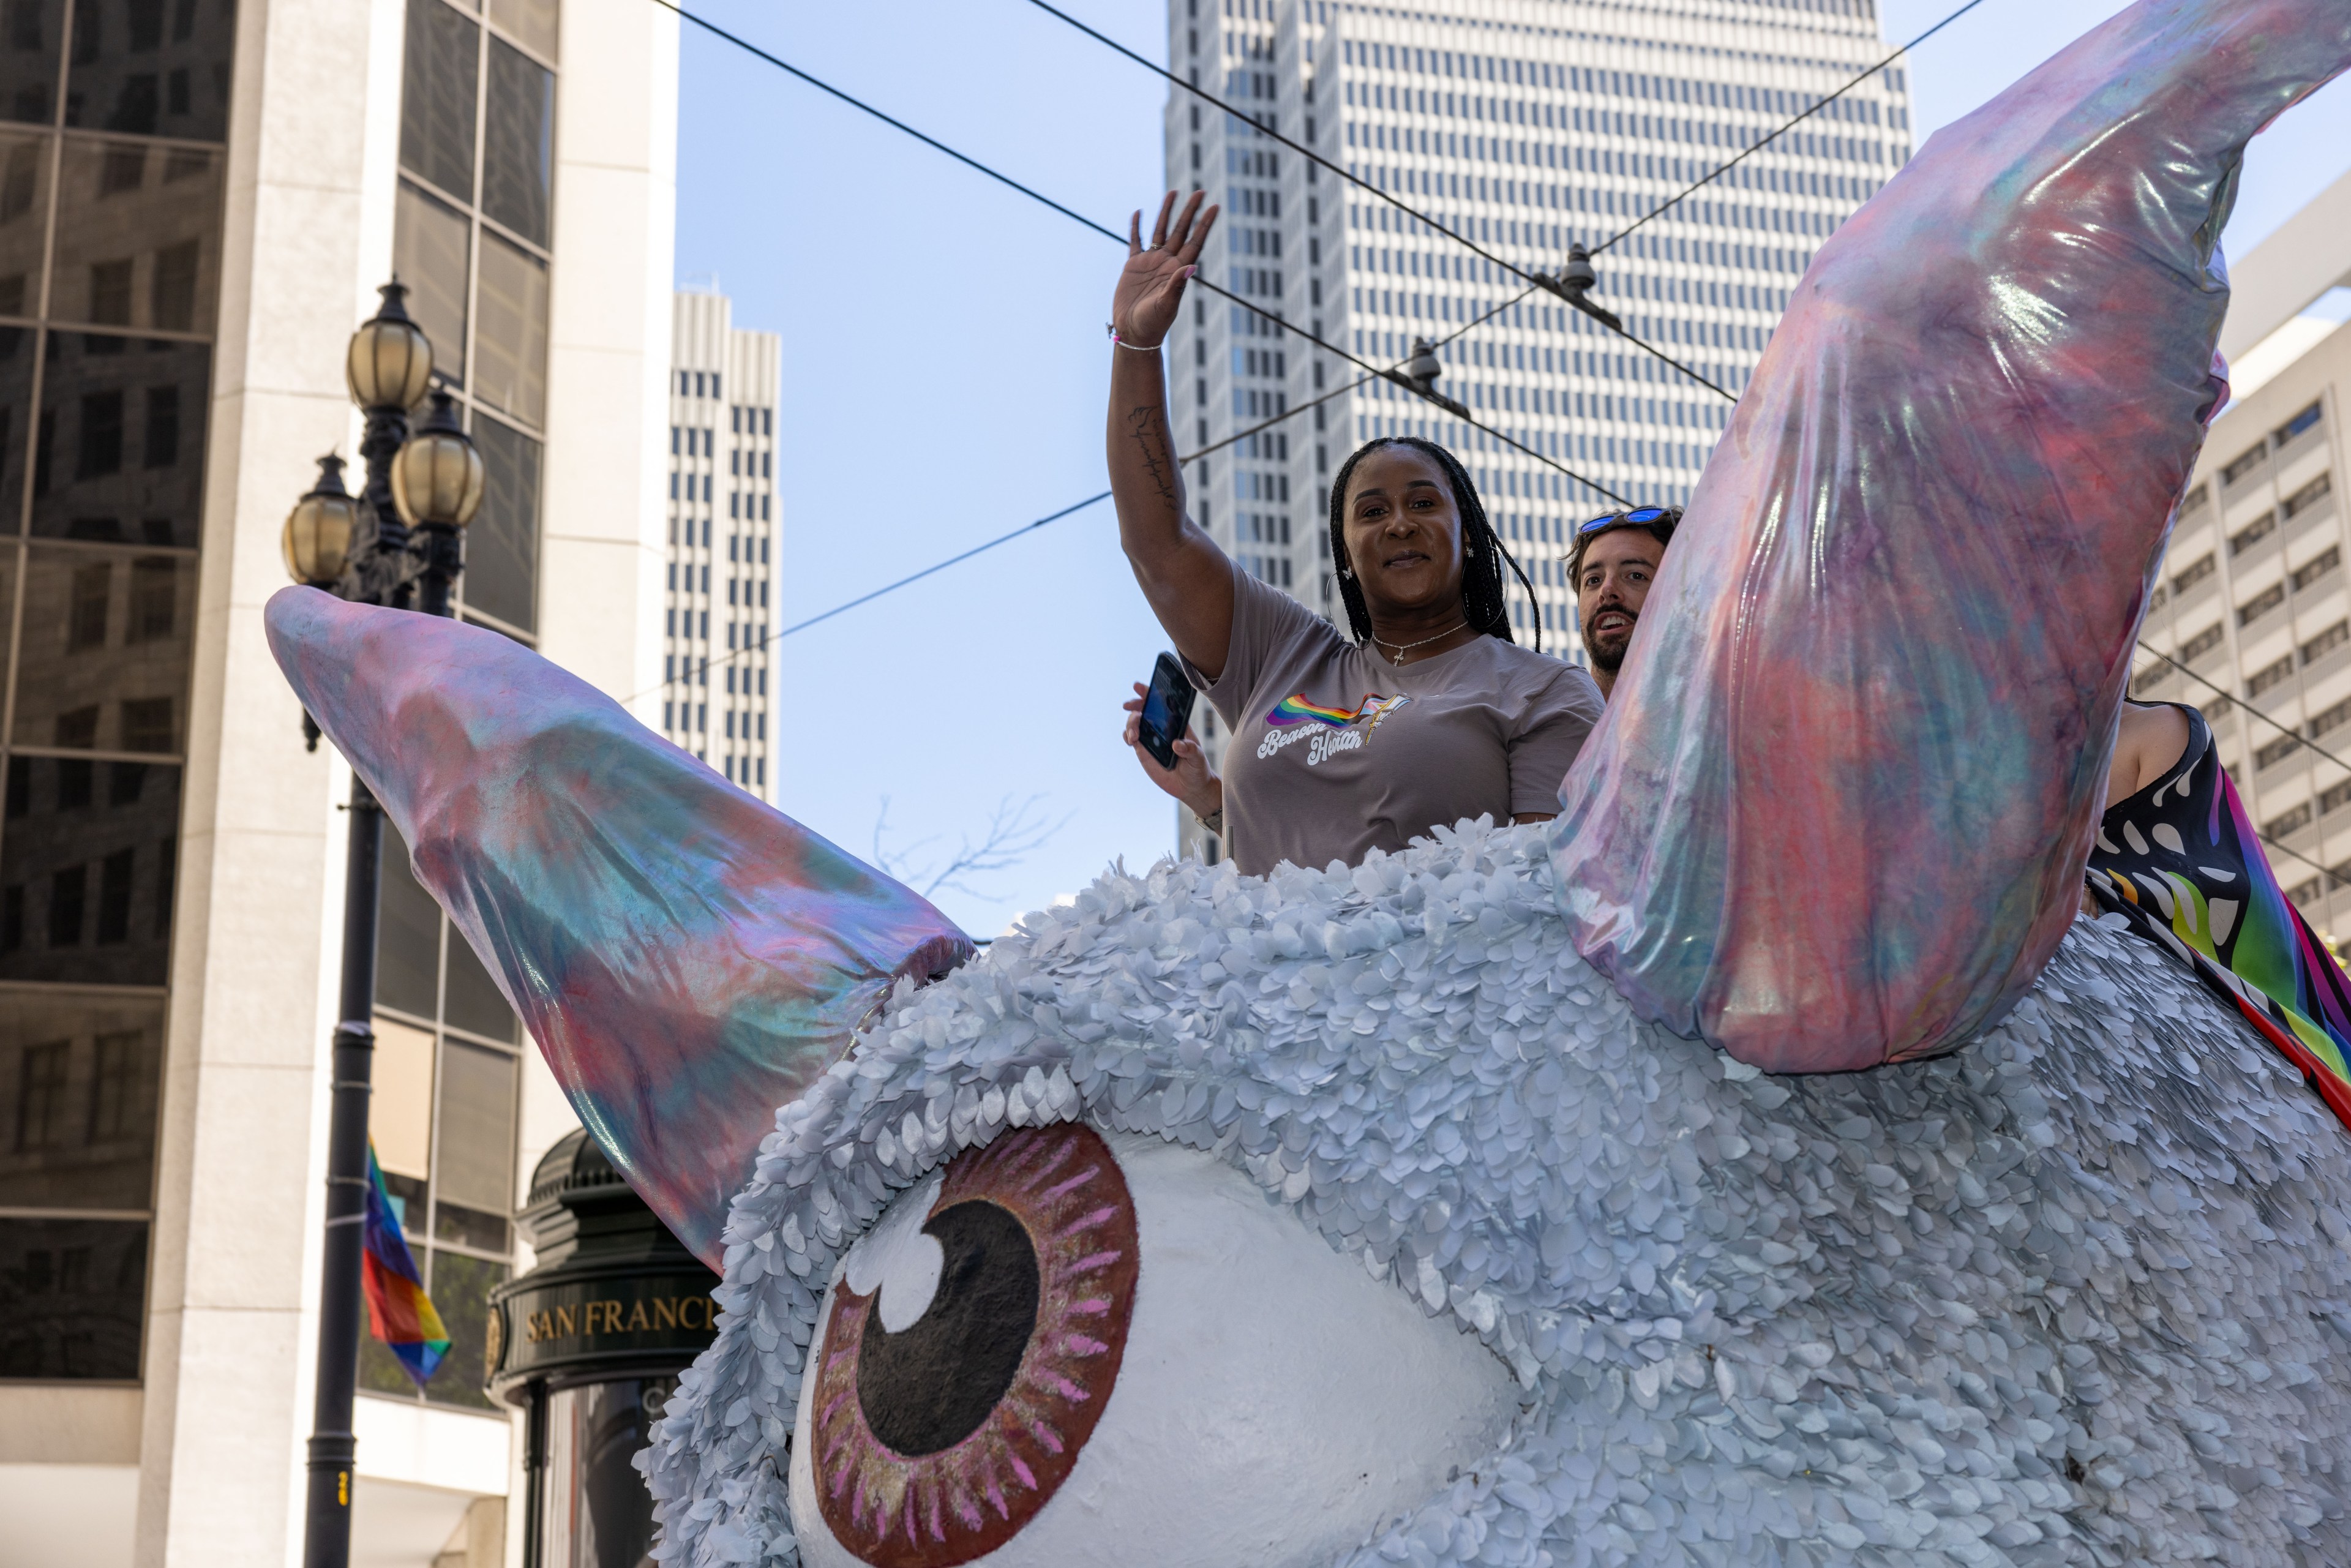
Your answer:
<point x="1838" y="811"/>
<point x="687" y="958"/>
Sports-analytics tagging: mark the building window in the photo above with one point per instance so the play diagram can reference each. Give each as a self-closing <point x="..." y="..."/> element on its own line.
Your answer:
<point x="2309" y="496"/>
<point x="110" y="191"/>
<point x="2263" y="679"/>
<point x="2296" y="425"/>
<point x="40" y="1095"/>
<point x="83" y="1078"/>
<point x="2275" y="752"/>
<point x="2201" y="644"/>
<point x="472" y="227"/>
<point x="2286" y="822"/>
<point x="2260" y="604"/>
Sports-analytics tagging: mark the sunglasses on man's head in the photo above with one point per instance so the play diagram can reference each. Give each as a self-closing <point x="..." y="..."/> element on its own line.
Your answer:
<point x="1638" y="515"/>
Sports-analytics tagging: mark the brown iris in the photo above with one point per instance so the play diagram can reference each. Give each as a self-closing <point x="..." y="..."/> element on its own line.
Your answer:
<point x="937" y="1444"/>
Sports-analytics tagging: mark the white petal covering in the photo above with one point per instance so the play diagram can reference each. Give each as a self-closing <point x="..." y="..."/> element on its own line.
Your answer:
<point x="2078" y="1294"/>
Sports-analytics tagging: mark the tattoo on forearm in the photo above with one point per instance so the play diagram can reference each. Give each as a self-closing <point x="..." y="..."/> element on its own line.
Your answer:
<point x="1144" y="425"/>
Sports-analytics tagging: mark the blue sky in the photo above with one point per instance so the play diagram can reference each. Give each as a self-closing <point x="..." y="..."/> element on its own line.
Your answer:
<point x="943" y="372"/>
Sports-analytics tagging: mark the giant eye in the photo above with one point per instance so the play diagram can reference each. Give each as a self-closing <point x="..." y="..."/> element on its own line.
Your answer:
<point x="1071" y="1346"/>
<point x="955" y="1394"/>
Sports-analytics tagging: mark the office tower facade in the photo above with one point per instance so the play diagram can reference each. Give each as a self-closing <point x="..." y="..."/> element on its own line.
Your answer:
<point x="723" y="535"/>
<point x="1525" y="125"/>
<point x="197" y="201"/>
<point x="2252" y="598"/>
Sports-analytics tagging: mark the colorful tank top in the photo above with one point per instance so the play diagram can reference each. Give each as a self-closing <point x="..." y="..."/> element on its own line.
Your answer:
<point x="2181" y="861"/>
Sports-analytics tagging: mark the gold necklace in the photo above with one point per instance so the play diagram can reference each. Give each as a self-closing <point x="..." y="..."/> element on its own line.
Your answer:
<point x="1424" y="642"/>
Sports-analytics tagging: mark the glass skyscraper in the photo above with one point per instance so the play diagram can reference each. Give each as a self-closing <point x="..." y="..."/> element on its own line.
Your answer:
<point x="1525" y="125"/>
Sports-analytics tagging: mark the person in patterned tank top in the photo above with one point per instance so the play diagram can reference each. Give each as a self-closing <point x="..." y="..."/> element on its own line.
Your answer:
<point x="2177" y="858"/>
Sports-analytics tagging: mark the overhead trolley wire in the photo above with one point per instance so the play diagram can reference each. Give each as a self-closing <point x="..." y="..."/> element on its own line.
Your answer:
<point x="1353" y="178"/>
<point x="1708" y="178"/>
<point x="1197" y="277"/>
<point x="708" y="664"/>
<point x="1301" y="150"/>
<point x="895" y="123"/>
<point x="1370" y="370"/>
<point x="2228" y="696"/>
<point x="1004" y="539"/>
<point x="1472" y="246"/>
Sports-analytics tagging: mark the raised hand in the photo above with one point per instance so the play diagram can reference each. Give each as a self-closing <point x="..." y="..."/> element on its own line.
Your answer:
<point x="1151" y="288"/>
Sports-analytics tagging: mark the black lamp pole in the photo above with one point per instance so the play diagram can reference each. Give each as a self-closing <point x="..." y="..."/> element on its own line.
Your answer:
<point x="327" y="1528"/>
<point x="364" y="550"/>
<point x="386" y="434"/>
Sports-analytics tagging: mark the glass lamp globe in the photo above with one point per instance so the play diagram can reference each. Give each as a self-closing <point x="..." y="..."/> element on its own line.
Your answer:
<point x="319" y="530"/>
<point x="437" y="477"/>
<point x="390" y="361"/>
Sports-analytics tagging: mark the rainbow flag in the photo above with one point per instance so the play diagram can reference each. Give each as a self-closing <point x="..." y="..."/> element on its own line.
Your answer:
<point x="1295" y="709"/>
<point x="399" y="1311"/>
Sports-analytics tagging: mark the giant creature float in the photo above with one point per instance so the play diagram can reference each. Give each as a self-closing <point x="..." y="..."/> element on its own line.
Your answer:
<point x="1472" y="1205"/>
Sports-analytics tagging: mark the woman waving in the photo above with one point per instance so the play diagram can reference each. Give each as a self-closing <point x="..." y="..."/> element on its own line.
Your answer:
<point x="1425" y="713"/>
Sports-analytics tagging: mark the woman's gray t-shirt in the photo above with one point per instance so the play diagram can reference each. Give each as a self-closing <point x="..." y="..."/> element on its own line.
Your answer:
<point x="1336" y="752"/>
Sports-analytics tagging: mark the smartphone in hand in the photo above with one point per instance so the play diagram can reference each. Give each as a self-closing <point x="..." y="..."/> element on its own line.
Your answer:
<point x="1166" y="710"/>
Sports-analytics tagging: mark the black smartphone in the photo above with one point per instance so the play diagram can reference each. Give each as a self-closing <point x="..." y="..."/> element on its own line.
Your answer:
<point x="1166" y="709"/>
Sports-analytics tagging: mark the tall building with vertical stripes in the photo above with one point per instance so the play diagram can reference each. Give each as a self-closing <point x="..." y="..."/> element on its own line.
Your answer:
<point x="1523" y="125"/>
<point x="722" y="532"/>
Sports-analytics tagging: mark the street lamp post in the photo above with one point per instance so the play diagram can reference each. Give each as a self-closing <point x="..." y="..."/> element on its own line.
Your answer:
<point x="398" y="542"/>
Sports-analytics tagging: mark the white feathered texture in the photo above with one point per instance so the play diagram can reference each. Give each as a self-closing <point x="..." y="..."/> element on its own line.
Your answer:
<point x="2077" y="1294"/>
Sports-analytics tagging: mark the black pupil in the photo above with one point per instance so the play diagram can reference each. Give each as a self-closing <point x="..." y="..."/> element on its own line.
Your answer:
<point x="927" y="1389"/>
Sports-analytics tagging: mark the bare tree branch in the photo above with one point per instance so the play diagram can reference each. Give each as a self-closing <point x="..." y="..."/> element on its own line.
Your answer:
<point x="1013" y="833"/>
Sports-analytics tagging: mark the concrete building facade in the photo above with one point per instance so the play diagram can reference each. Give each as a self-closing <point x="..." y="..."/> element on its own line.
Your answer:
<point x="2251" y="617"/>
<point x="724" y="535"/>
<point x="1525" y="125"/>
<point x="196" y="202"/>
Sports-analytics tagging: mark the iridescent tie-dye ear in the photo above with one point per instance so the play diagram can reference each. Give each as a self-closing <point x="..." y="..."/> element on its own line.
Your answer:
<point x="687" y="958"/>
<point x="1838" y="811"/>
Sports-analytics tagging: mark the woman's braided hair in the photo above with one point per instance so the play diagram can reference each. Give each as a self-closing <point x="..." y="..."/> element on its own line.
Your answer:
<point x="1485" y="591"/>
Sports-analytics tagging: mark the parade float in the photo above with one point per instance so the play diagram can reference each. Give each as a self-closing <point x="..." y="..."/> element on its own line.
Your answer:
<point x="1766" y="1163"/>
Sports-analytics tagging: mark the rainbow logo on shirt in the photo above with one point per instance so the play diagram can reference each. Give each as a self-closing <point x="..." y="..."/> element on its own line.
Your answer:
<point x="1295" y="709"/>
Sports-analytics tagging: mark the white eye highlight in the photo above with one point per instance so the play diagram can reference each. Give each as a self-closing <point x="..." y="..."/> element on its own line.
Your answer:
<point x="1272" y="1403"/>
<point x="896" y="1258"/>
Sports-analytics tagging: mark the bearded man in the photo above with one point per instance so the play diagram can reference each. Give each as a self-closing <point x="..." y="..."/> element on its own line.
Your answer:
<point x="1613" y="561"/>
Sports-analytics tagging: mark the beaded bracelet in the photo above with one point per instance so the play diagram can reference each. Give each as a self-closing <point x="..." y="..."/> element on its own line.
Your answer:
<point x="1112" y="328"/>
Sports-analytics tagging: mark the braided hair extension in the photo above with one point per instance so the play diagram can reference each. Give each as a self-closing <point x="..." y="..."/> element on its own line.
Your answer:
<point x="1485" y="591"/>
